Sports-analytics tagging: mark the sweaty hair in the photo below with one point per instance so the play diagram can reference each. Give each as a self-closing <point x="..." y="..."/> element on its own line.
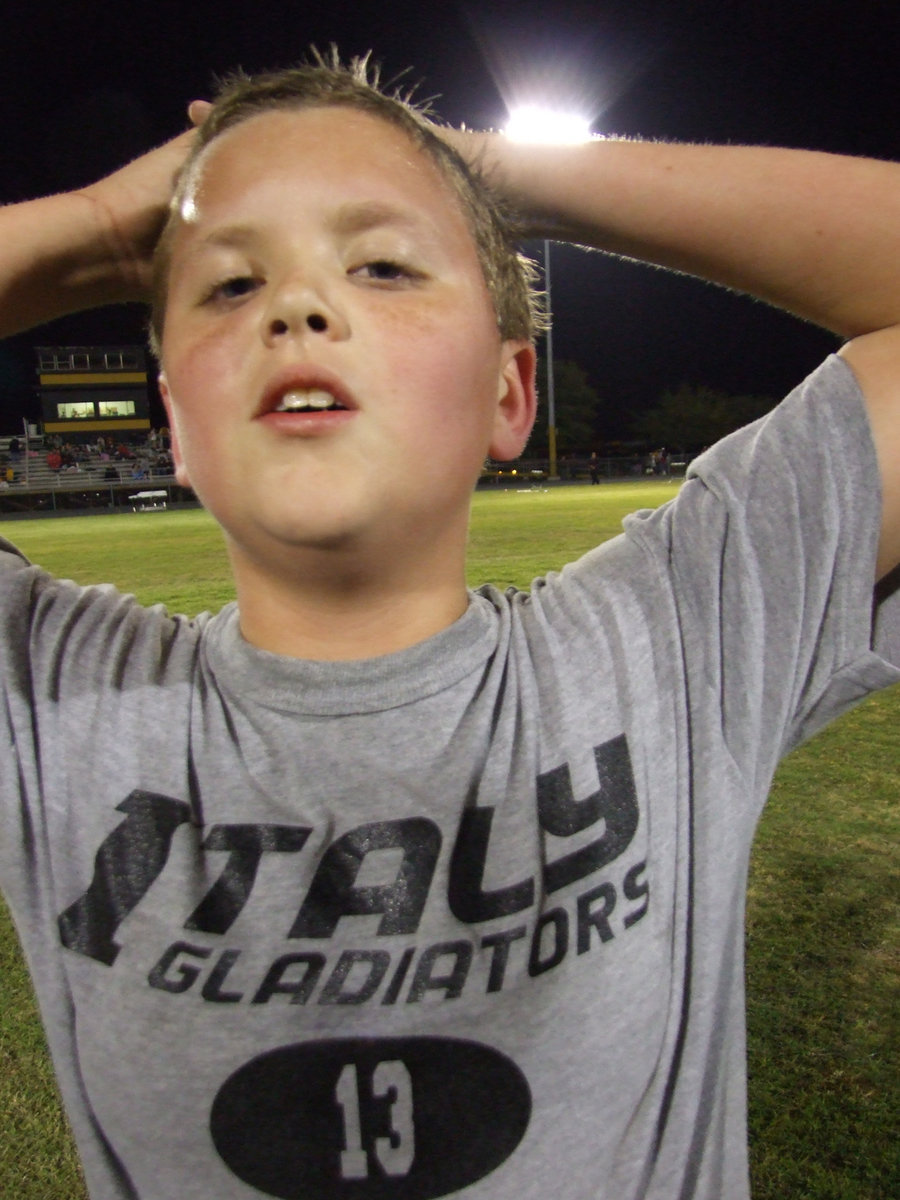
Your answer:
<point x="327" y="83"/>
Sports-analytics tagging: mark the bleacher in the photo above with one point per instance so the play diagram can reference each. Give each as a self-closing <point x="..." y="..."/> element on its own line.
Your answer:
<point x="34" y="474"/>
<point x="98" y="481"/>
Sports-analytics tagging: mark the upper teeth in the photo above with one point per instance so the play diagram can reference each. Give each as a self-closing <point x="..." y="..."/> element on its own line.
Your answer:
<point x="305" y="398"/>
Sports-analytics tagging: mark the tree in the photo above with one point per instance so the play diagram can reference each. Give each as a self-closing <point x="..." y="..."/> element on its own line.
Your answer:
<point x="691" y="417"/>
<point x="578" y="409"/>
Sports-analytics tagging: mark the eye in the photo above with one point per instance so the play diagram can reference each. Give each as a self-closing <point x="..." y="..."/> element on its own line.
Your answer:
<point x="233" y="288"/>
<point x="385" y="270"/>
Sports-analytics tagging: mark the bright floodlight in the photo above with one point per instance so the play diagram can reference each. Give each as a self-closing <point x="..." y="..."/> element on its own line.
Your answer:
<point x="534" y="124"/>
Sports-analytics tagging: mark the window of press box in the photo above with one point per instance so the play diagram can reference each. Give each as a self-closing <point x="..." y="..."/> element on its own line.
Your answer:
<point x="75" y="410"/>
<point x="116" y="408"/>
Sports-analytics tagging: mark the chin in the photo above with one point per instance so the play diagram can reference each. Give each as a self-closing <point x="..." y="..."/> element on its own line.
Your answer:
<point x="303" y="534"/>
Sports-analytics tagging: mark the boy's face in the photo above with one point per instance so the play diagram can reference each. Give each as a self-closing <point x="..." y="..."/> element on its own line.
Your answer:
<point x="323" y="259"/>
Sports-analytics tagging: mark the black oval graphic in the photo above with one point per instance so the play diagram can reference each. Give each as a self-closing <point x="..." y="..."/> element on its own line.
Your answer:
<point x="361" y="1119"/>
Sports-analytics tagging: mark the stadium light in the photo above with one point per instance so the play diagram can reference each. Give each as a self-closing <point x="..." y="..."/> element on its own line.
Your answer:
<point x="547" y="126"/>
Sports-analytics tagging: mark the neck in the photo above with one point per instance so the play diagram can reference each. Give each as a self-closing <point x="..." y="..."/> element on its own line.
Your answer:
<point x="339" y="611"/>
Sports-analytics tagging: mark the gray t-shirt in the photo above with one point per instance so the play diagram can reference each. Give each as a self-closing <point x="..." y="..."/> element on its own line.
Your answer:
<point x="462" y="920"/>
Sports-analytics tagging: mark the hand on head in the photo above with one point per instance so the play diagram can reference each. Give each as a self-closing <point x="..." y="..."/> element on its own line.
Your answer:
<point x="133" y="201"/>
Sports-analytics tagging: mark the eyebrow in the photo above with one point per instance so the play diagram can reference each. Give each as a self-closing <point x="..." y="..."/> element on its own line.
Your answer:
<point x="373" y="214"/>
<point x="237" y="236"/>
<point x="349" y="219"/>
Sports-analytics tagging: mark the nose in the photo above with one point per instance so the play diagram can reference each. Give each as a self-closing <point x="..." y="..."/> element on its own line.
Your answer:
<point x="316" y="321"/>
<point x="297" y="308"/>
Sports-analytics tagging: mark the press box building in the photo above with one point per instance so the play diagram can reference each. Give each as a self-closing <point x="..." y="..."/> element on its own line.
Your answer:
<point x="93" y="390"/>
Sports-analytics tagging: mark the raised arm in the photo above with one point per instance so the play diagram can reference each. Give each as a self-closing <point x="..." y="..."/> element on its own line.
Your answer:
<point x="82" y="249"/>
<point x="815" y="234"/>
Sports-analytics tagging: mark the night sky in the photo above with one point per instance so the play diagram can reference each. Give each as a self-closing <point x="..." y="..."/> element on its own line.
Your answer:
<point x="85" y="86"/>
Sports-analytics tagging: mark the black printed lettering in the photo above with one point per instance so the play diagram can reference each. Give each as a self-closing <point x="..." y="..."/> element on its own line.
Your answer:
<point x="453" y="982"/>
<point x="300" y="989"/>
<point x="614" y="802"/>
<point x="392" y="991"/>
<point x="500" y="943"/>
<point x="557" y="921"/>
<point x="377" y="961"/>
<point x="360" y="976"/>
<point x="128" y="862"/>
<point x="332" y="894"/>
<point x="186" y="974"/>
<point x="245" y="844"/>
<point x="464" y="895"/>
<point x="635" y="889"/>
<point x="591" y="917"/>
<point x="212" y="989"/>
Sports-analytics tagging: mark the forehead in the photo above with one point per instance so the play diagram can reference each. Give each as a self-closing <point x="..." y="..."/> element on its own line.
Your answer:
<point x="330" y="156"/>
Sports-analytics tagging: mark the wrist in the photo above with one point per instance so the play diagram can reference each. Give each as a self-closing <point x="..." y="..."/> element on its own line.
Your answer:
<point x="537" y="180"/>
<point x="109" y="259"/>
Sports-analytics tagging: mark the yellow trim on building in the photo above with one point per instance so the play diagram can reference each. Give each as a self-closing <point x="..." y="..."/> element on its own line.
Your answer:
<point x="78" y="426"/>
<point x="107" y="378"/>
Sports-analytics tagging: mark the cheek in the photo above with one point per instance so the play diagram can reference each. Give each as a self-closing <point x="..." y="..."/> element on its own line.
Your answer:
<point x="444" y="413"/>
<point x="448" y="373"/>
<point x="199" y="374"/>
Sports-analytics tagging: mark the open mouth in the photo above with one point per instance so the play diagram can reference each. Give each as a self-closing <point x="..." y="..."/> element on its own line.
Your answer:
<point x="300" y="400"/>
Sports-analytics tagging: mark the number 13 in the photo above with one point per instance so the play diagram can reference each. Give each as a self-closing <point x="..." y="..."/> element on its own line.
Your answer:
<point x="394" y="1153"/>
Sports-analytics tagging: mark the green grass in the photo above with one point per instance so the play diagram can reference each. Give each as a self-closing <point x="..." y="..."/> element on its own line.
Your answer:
<point x="517" y="535"/>
<point x="824" y="905"/>
<point x="824" y="967"/>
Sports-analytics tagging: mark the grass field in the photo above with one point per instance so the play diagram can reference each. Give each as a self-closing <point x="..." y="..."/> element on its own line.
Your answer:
<point x="824" y="909"/>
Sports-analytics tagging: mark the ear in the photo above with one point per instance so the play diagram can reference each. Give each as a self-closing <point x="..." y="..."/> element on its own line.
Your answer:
<point x="516" y="401"/>
<point x="177" y="458"/>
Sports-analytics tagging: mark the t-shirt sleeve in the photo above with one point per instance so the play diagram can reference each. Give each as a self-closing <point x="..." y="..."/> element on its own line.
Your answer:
<point x="770" y="552"/>
<point x="60" y="639"/>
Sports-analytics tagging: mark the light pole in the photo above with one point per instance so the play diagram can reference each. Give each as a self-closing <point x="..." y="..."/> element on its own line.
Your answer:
<point x="551" y="391"/>
<point x="548" y="127"/>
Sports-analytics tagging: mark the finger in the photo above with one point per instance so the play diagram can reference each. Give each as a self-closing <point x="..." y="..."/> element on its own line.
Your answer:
<point x="198" y="111"/>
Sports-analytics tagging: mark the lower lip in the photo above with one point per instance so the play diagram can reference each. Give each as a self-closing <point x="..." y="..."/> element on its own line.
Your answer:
<point x="307" y="424"/>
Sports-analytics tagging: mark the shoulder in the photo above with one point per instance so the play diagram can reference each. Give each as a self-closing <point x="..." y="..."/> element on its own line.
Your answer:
<point x="58" y="630"/>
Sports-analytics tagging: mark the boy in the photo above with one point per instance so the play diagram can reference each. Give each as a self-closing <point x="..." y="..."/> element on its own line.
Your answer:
<point x="410" y="892"/>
